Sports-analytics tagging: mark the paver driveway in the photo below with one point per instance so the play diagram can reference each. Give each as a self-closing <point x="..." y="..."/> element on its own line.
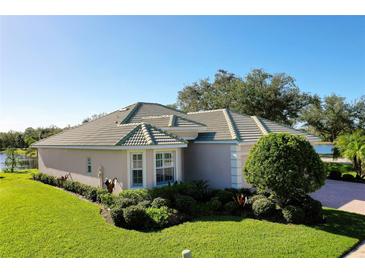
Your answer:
<point x="342" y="195"/>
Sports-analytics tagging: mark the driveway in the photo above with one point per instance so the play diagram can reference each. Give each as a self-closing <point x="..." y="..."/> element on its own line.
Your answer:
<point x="342" y="195"/>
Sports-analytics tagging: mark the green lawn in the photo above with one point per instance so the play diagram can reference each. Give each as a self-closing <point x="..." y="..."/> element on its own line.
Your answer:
<point x="38" y="220"/>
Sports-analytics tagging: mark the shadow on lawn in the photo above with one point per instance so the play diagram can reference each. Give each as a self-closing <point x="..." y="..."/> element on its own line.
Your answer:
<point x="344" y="223"/>
<point x="337" y="222"/>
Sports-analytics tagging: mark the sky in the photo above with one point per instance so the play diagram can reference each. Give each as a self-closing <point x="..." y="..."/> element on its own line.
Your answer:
<point x="58" y="70"/>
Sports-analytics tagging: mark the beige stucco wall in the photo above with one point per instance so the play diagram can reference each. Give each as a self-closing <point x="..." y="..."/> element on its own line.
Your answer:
<point x="211" y="162"/>
<point x="58" y="162"/>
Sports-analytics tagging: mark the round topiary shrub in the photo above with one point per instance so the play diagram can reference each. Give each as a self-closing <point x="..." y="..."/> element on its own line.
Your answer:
<point x="230" y="206"/>
<point x="285" y="165"/>
<point x="160" y="202"/>
<point x="185" y="204"/>
<point x="293" y="214"/>
<point x="214" y="204"/>
<point x="117" y="216"/>
<point x="135" y="217"/>
<point x="264" y="208"/>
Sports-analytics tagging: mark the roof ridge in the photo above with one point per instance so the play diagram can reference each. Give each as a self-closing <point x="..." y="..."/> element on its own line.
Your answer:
<point x="260" y="125"/>
<point x="132" y="111"/>
<point x="231" y="125"/>
<point x="203" y="111"/>
<point x="147" y="134"/>
<point x="168" y="134"/>
<point x="172" y="121"/>
<point x="157" y="116"/>
<point x="128" y="135"/>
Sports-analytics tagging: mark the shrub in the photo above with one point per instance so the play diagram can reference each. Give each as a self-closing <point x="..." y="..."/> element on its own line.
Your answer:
<point x="138" y="195"/>
<point x="214" y="204"/>
<point x="159" y="216"/>
<point x="185" y="203"/>
<point x="91" y="193"/>
<point x="263" y="208"/>
<point x="313" y="210"/>
<point x="124" y="202"/>
<point x="44" y="178"/>
<point x="145" y="204"/>
<point x="334" y="175"/>
<point x="252" y="199"/>
<point x="107" y="199"/>
<point x="135" y="217"/>
<point x="175" y="217"/>
<point x="160" y="202"/>
<point x="284" y="164"/>
<point x="293" y="214"/>
<point x="230" y="207"/>
<point x="196" y="189"/>
<point x="100" y="192"/>
<point x="348" y="177"/>
<point x="223" y="195"/>
<point x="36" y="176"/>
<point x="117" y="215"/>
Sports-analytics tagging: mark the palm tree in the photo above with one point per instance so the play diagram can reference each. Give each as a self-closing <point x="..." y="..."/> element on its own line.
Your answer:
<point x="352" y="146"/>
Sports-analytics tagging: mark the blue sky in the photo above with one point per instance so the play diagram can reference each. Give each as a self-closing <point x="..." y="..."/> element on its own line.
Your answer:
<point x="59" y="70"/>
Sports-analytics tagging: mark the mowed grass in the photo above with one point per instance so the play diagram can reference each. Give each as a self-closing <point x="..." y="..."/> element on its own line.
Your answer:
<point x="38" y="220"/>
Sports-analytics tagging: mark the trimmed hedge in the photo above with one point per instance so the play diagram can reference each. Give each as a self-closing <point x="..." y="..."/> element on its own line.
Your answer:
<point x="93" y="194"/>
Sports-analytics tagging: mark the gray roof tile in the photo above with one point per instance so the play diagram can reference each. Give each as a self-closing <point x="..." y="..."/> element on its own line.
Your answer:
<point x="140" y="124"/>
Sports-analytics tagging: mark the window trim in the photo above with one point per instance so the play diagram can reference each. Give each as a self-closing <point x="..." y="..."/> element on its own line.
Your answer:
<point x="175" y="165"/>
<point x="144" y="171"/>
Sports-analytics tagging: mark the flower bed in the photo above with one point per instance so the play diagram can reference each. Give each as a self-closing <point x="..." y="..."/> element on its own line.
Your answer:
<point x="150" y="209"/>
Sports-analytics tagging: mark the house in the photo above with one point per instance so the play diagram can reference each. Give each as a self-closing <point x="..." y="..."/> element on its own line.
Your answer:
<point x="149" y="145"/>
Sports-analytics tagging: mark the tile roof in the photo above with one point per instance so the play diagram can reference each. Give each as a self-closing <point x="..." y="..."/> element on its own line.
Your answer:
<point x="165" y="121"/>
<point x="224" y="124"/>
<point x="141" y="124"/>
<point x="145" y="135"/>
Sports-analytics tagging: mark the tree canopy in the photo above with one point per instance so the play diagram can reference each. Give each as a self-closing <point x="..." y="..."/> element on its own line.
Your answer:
<point x="334" y="116"/>
<point x="272" y="96"/>
<point x="15" y="139"/>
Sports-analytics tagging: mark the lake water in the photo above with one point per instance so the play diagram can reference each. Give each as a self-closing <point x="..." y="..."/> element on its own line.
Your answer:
<point x="324" y="149"/>
<point x="25" y="162"/>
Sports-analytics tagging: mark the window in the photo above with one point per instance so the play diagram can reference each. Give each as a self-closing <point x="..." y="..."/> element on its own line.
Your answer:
<point x="165" y="168"/>
<point x="89" y="168"/>
<point x="137" y="169"/>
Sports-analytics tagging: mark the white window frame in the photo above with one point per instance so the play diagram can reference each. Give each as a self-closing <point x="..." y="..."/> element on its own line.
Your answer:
<point x="175" y="165"/>
<point x="130" y="165"/>
<point x="89" y="164"/>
